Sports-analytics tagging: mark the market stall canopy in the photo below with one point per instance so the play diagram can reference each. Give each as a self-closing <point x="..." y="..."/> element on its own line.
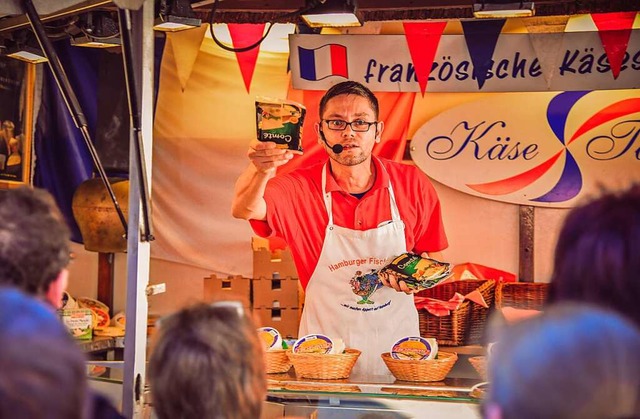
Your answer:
<point x="14" y="7"/>
<point x="259" y="11"/>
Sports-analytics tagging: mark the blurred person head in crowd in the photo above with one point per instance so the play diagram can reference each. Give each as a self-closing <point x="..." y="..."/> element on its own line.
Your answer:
<point x="42" y="371"/>
<point x="572" y="361"/>
<point x="34" y="244"/>
<point x="597" y="257"/>
<point x="207" y="362"/>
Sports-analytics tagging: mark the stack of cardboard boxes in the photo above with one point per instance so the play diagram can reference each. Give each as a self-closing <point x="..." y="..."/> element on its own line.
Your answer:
<point x="274" y="294"/>
<point x="277" y="296"/>
<point x="234" y="288"/>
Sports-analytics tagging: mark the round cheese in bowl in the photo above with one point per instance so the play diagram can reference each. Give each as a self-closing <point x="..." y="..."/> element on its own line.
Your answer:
<point x="414" y="347"/>
<point x="313" y="344"/>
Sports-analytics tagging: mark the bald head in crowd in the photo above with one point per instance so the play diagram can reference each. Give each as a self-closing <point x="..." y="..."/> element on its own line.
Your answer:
<point x="34" y="244"/>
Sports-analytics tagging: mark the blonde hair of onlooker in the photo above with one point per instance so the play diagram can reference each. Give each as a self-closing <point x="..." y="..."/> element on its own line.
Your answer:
<point x="572" y="362"/>
<point x="207" y="362"/>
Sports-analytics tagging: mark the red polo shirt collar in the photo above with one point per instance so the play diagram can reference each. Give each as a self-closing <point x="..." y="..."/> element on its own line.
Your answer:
<point x="382" y="178"/>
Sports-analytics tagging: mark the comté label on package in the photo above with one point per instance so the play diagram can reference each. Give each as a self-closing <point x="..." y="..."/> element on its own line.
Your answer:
<point x="280" y="121"/>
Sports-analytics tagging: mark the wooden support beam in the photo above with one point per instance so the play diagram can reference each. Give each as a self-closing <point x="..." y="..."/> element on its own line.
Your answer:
<point x="526" y="232"/>
<point x="105" y="279"/>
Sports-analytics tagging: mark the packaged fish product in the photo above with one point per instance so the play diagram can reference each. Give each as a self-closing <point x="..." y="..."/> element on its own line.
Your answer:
<point x="280" y="121"/>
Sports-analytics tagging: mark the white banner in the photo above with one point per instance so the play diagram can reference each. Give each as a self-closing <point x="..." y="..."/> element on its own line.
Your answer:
<point x="383" y="63"/>
<point x="552" y="150"/>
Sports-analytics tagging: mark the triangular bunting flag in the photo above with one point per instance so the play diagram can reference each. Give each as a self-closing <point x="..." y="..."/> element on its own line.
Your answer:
<point x="243" y="35"/>
<point x="545" y="39"/>
<point x="481" y="37"/>
<point x="423" y="39"/>
<point x="614" y="30"/>
<point x="186" y="46"/>
<point x="546" y="47"/>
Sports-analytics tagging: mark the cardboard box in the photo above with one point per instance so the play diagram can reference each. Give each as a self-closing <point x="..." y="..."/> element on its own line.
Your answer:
<point x="78" y="321"/>
<point x="266" y="262"/>
<point x="276" y="292"/>
<point x="229" y="288"/>
<point x="285" y="320"/>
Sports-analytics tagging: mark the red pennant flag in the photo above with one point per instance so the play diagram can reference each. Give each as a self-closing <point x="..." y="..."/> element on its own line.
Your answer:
<point x="243" y="35"/>
<point x="614" y="30"/>
<point x="423" y="39"/>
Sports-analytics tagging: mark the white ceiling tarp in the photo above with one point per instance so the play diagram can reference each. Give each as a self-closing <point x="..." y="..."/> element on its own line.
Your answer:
<point x="44" y="7"/>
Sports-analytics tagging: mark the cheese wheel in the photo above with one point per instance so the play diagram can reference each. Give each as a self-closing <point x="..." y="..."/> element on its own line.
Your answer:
<point x="415" y="348"/>
<point x="313" y="344"/>
<point x="100" y="317"/>
<point x="271" y="338"/>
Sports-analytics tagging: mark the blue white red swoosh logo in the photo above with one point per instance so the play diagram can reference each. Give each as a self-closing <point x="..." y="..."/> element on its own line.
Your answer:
<point x="570" y="182"/>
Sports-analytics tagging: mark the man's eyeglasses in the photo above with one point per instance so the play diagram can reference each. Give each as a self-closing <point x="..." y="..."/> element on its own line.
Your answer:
<point x="358" y="125"/>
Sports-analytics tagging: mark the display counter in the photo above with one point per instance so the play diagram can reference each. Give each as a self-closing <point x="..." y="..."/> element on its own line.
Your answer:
<point x="359" y="396"/>
<point x="380" y="396"/>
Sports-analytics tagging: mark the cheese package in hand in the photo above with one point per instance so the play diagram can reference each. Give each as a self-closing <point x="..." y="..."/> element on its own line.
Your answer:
<point x="280" y="121"/>
<point x="417" y="272"/>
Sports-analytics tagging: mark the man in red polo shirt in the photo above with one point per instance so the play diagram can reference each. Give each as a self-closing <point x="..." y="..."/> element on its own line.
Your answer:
<point x="345" y="217"/>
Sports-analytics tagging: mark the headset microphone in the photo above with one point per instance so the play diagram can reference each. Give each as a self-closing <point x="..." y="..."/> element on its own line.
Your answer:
<point x="336" y="148"/>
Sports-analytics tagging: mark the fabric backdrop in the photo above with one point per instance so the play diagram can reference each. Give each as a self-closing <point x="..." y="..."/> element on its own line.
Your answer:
<point x="205" y="120"/>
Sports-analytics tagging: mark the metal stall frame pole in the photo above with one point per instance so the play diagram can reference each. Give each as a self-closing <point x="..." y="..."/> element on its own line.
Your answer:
<point x="133" y="95"/>
<point x="139" y="251"/>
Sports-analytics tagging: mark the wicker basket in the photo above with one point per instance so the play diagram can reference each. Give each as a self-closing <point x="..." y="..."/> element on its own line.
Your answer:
<point x="479" y="363"/>
<point x="277" y="361"/>
<point x="466" y="324"/>
<point x="421" y="370"/>
<point x="523" y="295"/>
<point x="324" y="366"/>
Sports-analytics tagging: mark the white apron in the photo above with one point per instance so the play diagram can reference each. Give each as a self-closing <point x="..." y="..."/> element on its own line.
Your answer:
<point x="371" y="324"/>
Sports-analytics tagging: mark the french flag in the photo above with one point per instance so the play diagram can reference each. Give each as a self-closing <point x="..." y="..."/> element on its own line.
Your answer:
<point x="322" y="62"/>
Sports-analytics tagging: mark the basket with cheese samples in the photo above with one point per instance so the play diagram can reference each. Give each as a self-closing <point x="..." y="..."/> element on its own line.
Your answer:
<point x="320" y="357"/>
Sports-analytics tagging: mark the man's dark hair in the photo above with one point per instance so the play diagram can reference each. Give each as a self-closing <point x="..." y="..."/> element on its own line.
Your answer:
<point x="349" y="88"/>
<point x="597" y="258"/>
<point x="207" y="363"/>
<point x="34" y="240"/>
